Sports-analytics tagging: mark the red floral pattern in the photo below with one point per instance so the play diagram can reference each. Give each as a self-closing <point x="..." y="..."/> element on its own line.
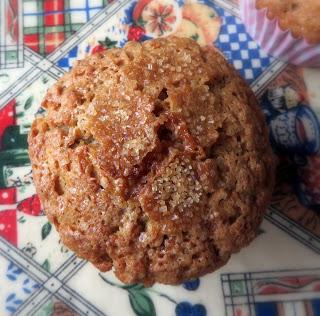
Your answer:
<point x="98" y="49"/>
<point x="30" y="206"/>
<point x="8" y="218"/>
<point x="8" y="226"/>
<point x="135" y="33"/>
<point x="8" y="196"/>
<point x="7" y="117"/>
<point x="161" y="19"/>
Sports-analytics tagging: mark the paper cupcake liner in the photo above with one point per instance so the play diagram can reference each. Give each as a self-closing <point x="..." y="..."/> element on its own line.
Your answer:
<point x="276" y="42"/>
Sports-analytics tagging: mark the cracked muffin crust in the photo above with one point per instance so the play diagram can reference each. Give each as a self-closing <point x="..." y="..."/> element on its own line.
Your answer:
<point x="153" y="160"/>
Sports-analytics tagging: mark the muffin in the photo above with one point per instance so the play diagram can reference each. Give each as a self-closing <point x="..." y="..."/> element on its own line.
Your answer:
<point x="153" y="160"/>
<point x="289" y="30"/>
<point x="301" y="17"/>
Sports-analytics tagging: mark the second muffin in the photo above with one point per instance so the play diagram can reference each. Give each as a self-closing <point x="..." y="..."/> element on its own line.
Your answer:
<point x="289" y="30"/>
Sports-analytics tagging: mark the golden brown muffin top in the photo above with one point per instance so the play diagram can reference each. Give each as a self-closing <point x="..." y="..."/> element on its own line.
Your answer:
<point x="153" y="159"/>
<point x="302" y="17"/>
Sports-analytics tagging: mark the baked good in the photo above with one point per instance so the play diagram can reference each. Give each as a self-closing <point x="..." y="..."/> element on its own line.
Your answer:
<point x="154" y="160"/>
<point x="288" y="30"/>
<point x="301" y="17"/>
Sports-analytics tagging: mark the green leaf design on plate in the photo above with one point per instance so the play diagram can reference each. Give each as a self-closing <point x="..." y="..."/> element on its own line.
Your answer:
<point x="46" y="265"/>
<point x="28" y="103"/>
<point x="20" y="115"/>
<point x="44" y="80"/>
<point x="139" y="298"/>
<point x="8" y="172"/>
<point x="46" y="229"/>
<point x="46" y="309"/>
<point x="22" y="189"/>
<point x="141" y="22"/>
<point x="108" y="43"/>
<point x="135" y="287"/>
<point x="21" y="220"/>
<point x="195" y="36"/>
<point x="141" y="303"/>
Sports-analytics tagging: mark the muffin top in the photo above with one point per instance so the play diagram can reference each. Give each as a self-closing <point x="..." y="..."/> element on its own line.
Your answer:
<point x="302" y="17"/>
<point x="153" y="159"/>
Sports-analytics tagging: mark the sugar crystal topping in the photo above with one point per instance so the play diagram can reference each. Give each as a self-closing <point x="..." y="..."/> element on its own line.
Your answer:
<point x="177" y="186"/>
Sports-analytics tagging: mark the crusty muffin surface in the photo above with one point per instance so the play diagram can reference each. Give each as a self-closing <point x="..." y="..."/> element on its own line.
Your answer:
<point x="154" y="160"/>
<point x="302" y="17"/>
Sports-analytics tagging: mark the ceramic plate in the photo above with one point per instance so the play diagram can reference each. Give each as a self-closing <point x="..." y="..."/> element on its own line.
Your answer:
<point x="278" y="274"/>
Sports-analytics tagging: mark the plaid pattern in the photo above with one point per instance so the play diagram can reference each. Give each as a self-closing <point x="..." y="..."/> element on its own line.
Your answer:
<point x="48" y="23"/>
<point x="11" y="52"/>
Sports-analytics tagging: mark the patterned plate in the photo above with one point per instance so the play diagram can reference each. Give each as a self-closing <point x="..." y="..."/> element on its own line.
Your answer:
<point x="278" y="274"/>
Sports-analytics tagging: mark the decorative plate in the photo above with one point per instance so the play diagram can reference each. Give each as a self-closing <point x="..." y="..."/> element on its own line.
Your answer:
<point x="278" y="274"/>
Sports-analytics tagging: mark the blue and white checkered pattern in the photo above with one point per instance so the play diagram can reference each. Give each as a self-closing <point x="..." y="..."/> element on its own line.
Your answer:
<point x="239" y="48"/>
<point x="66" y="62"/>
